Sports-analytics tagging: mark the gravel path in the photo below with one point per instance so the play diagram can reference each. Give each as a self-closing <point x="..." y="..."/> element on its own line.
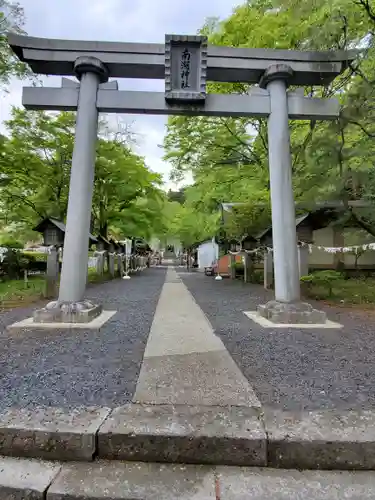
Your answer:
<point x="82" y="367"/>
<point x="291" y="368"/>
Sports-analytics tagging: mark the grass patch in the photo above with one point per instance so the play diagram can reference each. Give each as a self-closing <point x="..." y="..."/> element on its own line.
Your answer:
<point x="94" y="277"/>
<point x="15" y="293"/>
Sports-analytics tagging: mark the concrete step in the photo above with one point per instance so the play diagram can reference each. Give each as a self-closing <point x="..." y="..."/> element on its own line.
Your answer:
<point x="26" y="479"/>
<point x="189" y="434"/>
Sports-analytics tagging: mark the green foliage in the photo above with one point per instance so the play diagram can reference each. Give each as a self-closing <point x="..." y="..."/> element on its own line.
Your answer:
<point x="11" y="20"/>
<point x="18" y="292"/>
<point x="13" y="265"/>
<point x="186" y="225"/>
<point x="127" y="198"/>
<point x="9" y="242"/>
<point x="227" y="157"/>
<point x="239" y="268"/>
<point x="94" y="277"/>
<point x="325" y="279"/>
<point x="345" y="291"/>
<point x="322" y="276"/>
<point x="36" y="256"/>
<point x="178" y="196"/>
<point x="257" y="277"/>
<point x="39" y="146"/>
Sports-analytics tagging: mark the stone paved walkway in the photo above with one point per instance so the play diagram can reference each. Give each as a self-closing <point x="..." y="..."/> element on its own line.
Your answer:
<point x="184" y="361"/>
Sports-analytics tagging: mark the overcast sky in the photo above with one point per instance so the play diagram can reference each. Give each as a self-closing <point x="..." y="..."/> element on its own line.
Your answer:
<point x="125" y="21"/>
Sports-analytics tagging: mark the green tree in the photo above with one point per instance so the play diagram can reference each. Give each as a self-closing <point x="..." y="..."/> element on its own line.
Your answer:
<point x="331" y="160"/>
<point x="127" y="194"/>
<point x="35" y="162"/>
<point x="12" y="19"/>
<point x="189" y="226"/>
<point x="35" y="166"/>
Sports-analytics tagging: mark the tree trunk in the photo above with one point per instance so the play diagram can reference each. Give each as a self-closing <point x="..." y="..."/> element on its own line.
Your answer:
<point x="338" y="241"/>
<point x="248" y="268"/>
<point x="103" y="230"/>
<point x="188" y="260"/>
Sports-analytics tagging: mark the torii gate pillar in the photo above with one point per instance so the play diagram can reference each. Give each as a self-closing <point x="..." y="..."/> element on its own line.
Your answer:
<point x="71" y="306"/>
<point x="287" y="306"/>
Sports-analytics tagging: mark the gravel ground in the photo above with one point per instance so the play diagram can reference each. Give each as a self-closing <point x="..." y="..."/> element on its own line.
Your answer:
<point x="291" y="368"/>
<point x="81" y="367"/>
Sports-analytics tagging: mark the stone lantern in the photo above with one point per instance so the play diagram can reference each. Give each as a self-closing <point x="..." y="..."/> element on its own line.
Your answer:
<point x="53" y="232"/>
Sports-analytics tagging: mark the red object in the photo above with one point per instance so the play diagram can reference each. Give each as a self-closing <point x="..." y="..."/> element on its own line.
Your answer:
<point x="224" y="263"/>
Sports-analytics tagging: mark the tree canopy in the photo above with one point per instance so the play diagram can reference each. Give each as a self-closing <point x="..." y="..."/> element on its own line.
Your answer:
<point x="331" y="160"/>
<point x="226" y="157"/>
<point x="12" y="19"/>
<point x="35" y="162"/>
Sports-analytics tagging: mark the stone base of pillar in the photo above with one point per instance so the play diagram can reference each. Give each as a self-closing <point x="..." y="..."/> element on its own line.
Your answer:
<point x="292" y="313"/>
<point x="67" y="312"/>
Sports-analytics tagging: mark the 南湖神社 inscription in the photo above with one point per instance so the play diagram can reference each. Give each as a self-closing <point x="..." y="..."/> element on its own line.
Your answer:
<point x="185" y="68"/>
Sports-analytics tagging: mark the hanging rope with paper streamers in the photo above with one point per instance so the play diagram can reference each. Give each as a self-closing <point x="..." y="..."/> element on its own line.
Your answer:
<point x="254" y="250"/>
<point x="352" y="249"/>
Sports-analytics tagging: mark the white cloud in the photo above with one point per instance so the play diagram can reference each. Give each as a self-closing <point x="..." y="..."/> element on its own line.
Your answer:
<point x="118" y="20"/>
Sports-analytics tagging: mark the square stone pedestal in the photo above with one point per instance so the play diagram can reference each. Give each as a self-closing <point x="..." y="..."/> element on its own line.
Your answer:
<point x="68" y="312"/>
<point x="292" y="313"/>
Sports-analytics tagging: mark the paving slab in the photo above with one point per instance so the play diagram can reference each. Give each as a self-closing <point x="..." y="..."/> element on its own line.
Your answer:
<point x="321" y="439"/>
<point x="95" y="324"/>
<point x="133" y="481"/>
<point x="270" y="484"/>
<point x="211" y="378"/>
<point x="51" y="433"/>
<point x="266" y="323"/>
<point x="179" y="325"/>
<point x="165" y="433"/>
<point x="184" y="361"/>
<point x="25" y="479"/>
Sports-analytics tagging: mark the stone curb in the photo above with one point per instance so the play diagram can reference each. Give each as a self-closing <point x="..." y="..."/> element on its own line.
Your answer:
<point x="184" y="434"/>
<point x="51" y="433"/>
<point x="30" y="479"/>
<point x="321" y="439"/>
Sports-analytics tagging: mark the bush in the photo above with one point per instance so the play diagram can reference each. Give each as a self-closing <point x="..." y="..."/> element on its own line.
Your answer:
<point x="13" y="265"/>
<point x="239" y="268"/>
<point x="326" y="279"/>
<point x="257" y="277"/>
<point x="10" y="242"/>
<point x="16" y="262"/>
<point x="36" y="256"/>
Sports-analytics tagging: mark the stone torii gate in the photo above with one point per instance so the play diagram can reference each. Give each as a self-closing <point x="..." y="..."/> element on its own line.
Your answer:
<point x="186" y="63"/>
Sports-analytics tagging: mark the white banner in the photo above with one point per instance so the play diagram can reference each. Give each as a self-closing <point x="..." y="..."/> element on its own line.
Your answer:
<point x="92" y="262"/>
<point x="353" y="249"/>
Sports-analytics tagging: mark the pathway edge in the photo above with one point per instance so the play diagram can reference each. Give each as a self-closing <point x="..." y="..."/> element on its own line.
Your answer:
<point x="325" y="439"/>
